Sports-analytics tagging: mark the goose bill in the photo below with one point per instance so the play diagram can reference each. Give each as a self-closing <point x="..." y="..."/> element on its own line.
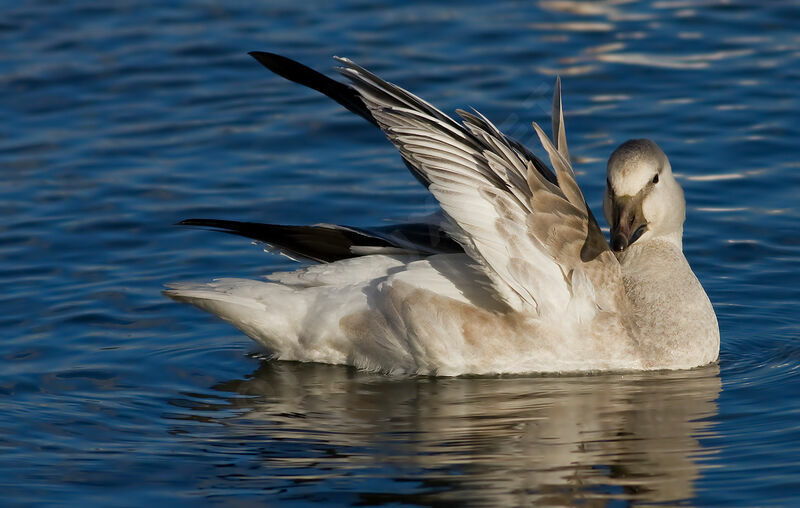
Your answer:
<point x="629" y="222"/>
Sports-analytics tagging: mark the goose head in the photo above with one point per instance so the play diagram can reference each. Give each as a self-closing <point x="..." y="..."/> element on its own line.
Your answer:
<point x="643" y="201"/>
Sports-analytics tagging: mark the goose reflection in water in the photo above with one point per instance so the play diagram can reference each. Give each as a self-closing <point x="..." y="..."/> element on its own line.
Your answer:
<point x="498" y="441"/>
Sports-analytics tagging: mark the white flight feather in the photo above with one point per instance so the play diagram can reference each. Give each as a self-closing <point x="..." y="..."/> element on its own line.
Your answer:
<point x="481" y="183"/>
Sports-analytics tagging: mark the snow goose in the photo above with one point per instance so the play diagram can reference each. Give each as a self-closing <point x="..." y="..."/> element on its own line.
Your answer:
<point x="514" y="275"/>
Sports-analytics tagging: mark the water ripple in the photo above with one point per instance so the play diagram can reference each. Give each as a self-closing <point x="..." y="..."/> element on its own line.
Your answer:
<point x="121" y="119"/>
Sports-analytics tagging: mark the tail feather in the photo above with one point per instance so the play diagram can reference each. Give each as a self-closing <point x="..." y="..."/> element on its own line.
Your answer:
<point x="210" y="297"/>
<point x="267" y="312"/>
<point x="289" y="323"/>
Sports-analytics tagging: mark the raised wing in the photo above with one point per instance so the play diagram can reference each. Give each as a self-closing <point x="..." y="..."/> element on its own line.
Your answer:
<point x="531" y="233"/>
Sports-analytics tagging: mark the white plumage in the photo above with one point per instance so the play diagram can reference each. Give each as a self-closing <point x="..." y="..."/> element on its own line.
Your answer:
<point x="537" y="288"/>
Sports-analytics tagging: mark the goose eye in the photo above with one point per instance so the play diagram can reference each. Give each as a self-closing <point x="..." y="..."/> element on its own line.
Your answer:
<point x="655" y="178"/>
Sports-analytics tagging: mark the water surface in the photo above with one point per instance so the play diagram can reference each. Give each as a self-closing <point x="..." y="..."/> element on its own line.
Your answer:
<point x="120" y="120"/>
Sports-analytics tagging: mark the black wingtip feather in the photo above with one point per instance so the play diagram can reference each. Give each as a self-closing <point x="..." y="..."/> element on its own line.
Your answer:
<point x="327" y="243"/>
<point x="318" y="243"/>
<point x="306" y="76"/>
<point x="340" y="92"/>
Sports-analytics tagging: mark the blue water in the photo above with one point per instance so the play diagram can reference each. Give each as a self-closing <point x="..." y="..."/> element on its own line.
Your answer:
<point x="120" y="120"/>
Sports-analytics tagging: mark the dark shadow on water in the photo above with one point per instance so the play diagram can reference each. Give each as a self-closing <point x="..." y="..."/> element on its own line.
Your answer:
<point x="500" y="441"/>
